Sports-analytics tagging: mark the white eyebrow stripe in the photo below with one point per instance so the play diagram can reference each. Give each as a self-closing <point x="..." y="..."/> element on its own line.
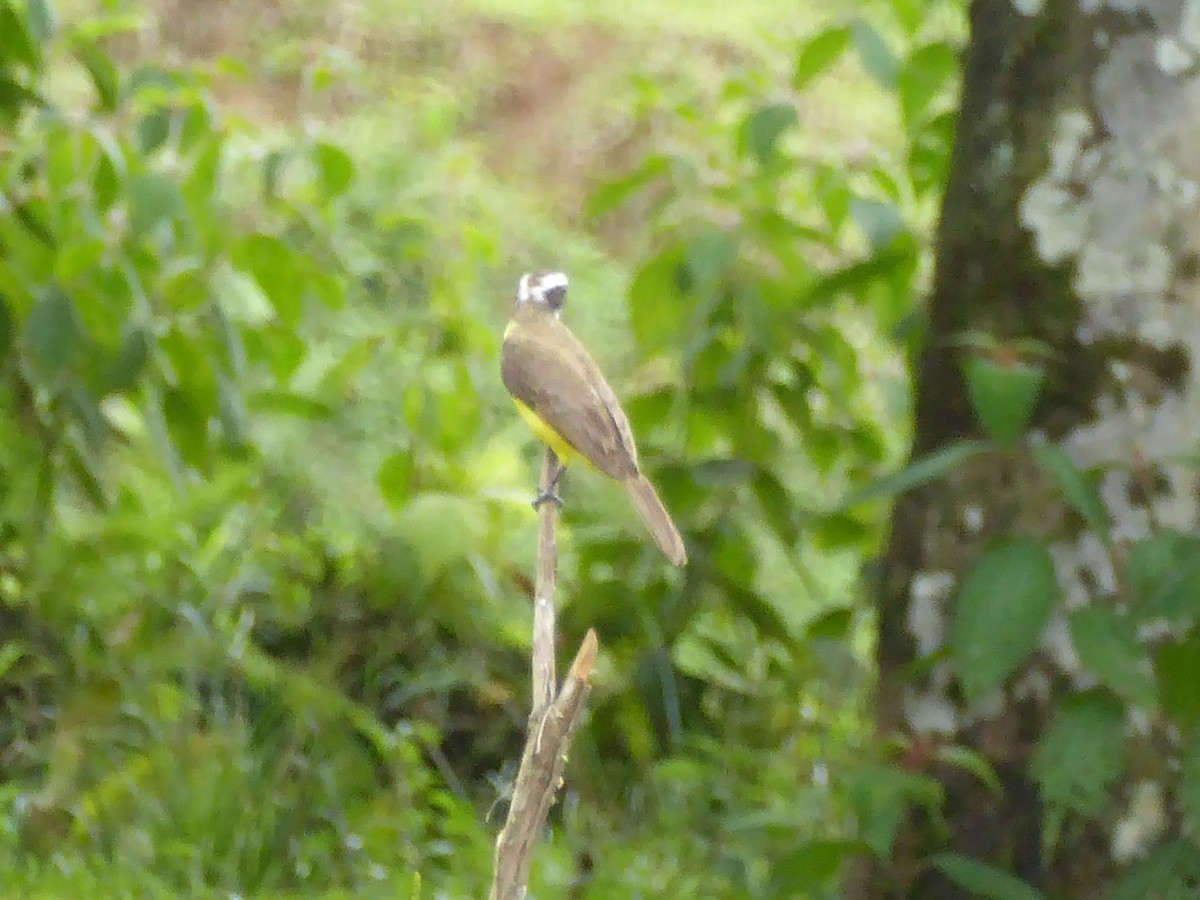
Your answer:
<point x="552" y="280"/>
<point x="523" y="288"/>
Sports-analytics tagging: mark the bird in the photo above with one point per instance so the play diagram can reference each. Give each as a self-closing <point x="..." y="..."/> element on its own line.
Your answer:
<point x="563" y="396"/>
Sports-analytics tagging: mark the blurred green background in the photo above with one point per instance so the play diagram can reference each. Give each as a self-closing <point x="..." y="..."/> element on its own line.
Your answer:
<point x="265" y="535"/>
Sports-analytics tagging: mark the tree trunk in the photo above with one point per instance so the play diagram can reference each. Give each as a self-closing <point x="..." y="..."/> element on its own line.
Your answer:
<point x="1070" y="218"/>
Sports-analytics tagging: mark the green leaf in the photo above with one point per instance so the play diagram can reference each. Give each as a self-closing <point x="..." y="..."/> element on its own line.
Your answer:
<point x="971" y="761"/>
<point x="7" y="327"/>
<point x="231" y="352"/>
<point x="880" y="221"/>
<point x="1170" y="871"/>
<point x="881" y="797"/>
<point x="187" y="425"/>
<point x="832" y="191"/>
<point x="722" y="473"/>
<point x="186" y="285"/>
<point x="13" y="652"/>
<point x="657" y="306"/>
<point x="928" y="468"/>
<point x="273" y="168"/>
<point x="122" y="370"/>
<point x="1107" y="643"/>
<point x="715" y="362"/>
<point x="708" y="256"/>
<point x="819" y="53"/>
<point x="832" y="625"/>
<point x="611" y="195"/>
<point x="733" y="555"/>
<point x="856" y="278"/>
<point x="153" y="198"/>
<point x="912" y="14"/>
<point x="813" y="863"/>
<point x="14" y="97"/>
<point x="342" y="374"/>
<point x="1003" y="395"/>
<point x="395" y="478"/>
<point x="160" y="432"/>
<point x="196" y="121"/>
<point x="231" y="413"/>
<point x="1189" y="787"/>
<point x="279" y="272"/>
<point x="442" y="530"/>
<point x="155" y="90"/>
<point x="884" y="177"/>
<point x="983" y="880"/>
<point x="927" y="73"/>
<point x="41" y="20"/>
<point x="837" y="533"/>
<point x="779" y="512"/>
<point x="16" y="44"/>
<point x="201" y="187"/>
<point x="707" y="660"/>
<point x="289" y="403"/>
<point x="240" y="296"/>
<point x="86" y="471"/>
<point x="760" y="131"/>
<point x="108" y="25"/>
<point x="327" y="286"/>
<point x="1163" y="573"/>
<point x="1151" y="563"/>
<point x="457" y="407"/>
<point x="280" y="348"/>
<point x="53" y="337"/>
<point x="1081" y="756"/>
<point x="78" y="254"/>
<point x="1003" y="606"/>
<point x="335" y="168"/>
<point x="103" y="72"/>
<point x="878" y="61"/>
<point x="1080" y="492"/>
<point x="153" y="129"/>
<point x="111" y="168"/>
<point x="929" y="153"/>
<point x="1177" y="671"/>
<point x="85" y="411"/>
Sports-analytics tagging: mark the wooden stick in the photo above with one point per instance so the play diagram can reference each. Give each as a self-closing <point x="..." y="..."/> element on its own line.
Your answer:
<point x="544" y="614"/>
<point x="553" y="719"/>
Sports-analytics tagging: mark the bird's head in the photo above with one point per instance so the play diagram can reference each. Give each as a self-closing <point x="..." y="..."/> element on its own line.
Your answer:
<point x="547" y="289"/>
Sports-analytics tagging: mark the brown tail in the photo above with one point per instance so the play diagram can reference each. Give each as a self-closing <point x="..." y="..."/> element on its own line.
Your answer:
<point x="657" y="519"/>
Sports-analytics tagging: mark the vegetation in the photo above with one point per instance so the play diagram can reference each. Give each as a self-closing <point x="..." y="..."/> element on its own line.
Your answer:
<point x="265" y="539"/>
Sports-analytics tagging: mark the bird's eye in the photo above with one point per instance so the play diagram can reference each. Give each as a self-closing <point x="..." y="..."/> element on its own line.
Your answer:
<point x="555" y="297"/>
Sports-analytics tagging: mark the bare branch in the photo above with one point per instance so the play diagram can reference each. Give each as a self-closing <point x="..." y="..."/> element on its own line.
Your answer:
<point x="544" y="615"/>
<point x="552" y="722"/>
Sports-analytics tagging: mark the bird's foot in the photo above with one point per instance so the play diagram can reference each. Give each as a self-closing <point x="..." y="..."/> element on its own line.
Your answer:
<point x="549" y="494"/>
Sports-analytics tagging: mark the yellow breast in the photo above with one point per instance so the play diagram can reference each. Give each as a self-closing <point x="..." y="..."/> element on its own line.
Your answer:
<point x="547" y="435"/>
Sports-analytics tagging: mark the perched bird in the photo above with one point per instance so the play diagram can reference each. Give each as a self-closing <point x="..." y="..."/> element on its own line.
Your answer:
<point x="563" y="396"/>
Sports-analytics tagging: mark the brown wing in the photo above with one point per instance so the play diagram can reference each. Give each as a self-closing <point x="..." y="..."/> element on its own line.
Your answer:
<point x="546" y="367"/>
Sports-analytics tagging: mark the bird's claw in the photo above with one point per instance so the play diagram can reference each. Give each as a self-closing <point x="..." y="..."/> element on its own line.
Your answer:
<point x="549" y="494"/>
<point x="547" y="497"/>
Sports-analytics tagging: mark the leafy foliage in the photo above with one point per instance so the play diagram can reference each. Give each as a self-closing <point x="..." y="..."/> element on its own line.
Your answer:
<point x="982" y="880"/>
<point x="773" y="282"/>
<point x="1003" y="606"/>
<point x="145" y="567"/>
<point x="1080" y="756"/>
<point x="263" y="529"/>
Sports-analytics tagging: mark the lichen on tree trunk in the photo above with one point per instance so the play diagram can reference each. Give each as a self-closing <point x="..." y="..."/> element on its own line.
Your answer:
<point x="1069" y="218"/>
